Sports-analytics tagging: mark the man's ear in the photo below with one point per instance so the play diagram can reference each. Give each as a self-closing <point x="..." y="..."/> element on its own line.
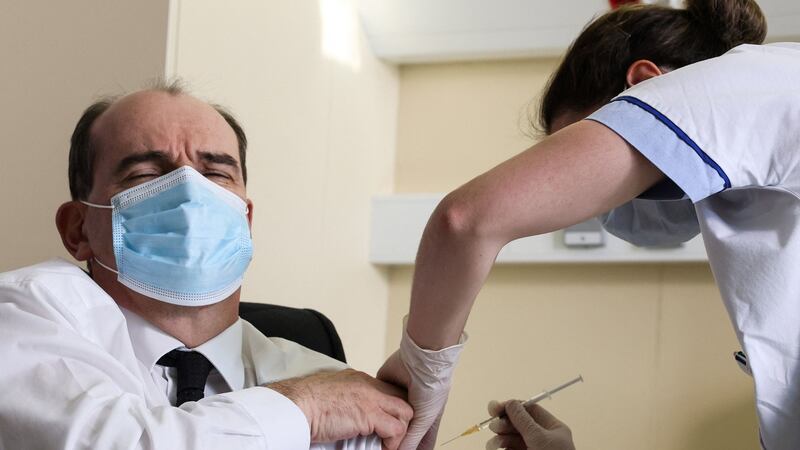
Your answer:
<point x="641" y="70"/>
<point x="250" y="214"/>
<point x="69" y="221"/>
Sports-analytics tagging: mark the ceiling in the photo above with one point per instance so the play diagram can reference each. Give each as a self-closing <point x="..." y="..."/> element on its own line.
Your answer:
<point x="418" y="31"/>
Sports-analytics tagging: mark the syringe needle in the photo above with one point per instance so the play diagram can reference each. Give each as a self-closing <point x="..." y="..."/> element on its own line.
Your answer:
<point x="451" y="440"/>
<point x="472" y="429"/>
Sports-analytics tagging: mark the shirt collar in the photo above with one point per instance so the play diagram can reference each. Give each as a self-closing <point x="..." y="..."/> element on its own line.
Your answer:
<point x="224" y="350"/>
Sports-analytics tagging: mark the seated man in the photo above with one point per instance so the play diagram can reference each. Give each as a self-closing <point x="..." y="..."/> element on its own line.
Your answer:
<point x="148" y="350"/>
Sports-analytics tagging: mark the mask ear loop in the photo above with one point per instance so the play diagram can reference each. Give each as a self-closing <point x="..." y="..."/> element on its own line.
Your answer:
<point x="95" y="205"/>
<point x="105" y="266"/>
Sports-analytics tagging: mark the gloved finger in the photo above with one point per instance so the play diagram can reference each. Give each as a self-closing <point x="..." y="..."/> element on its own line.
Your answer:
<point x="512" y="441"/>
<point x="428" y="441"/>
<point x="543" y="417"/>
<point x="523" y="421"/>
<point x="496" y="408"/>
<point x="418" y="428"/>
<point x="502" y="426"/>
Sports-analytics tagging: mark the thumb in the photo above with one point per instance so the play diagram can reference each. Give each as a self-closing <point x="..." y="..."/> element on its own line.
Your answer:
<point x="417" y="430"/>
<point x="496" y="408"/>
<point x="523" y="422"/>
<point x="428" y="407"/>
<point x="428" y="441"/>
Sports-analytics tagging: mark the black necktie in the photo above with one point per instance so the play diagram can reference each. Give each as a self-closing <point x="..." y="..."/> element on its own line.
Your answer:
<point x="193" y="369"/>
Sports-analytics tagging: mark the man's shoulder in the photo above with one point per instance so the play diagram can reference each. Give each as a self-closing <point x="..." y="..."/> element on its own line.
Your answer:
<point x="55" y="268"/>
<point x="278" y="359"/>
<point x="56" y="285"/>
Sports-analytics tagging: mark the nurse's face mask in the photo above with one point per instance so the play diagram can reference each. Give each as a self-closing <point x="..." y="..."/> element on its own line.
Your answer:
<point x="660" y="217"/>
<point x="180" y="238"/>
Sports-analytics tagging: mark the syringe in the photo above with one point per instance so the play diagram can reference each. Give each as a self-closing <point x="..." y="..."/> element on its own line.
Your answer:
<point x="535" y="399"/>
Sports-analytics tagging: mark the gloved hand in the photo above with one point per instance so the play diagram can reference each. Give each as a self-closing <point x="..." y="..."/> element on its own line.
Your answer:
<point x="427" y="375"/>
<point x="531" y="428"/>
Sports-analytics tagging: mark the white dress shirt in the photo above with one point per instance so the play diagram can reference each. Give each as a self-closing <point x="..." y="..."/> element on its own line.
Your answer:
<point x="79" y="372"/>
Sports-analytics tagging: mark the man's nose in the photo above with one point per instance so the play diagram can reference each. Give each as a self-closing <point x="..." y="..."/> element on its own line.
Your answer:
<point x="184" y="160"/>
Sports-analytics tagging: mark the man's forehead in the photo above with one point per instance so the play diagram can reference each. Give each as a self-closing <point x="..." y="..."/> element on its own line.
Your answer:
<point x="154" y="99"/>
<point x="157" y="118"/>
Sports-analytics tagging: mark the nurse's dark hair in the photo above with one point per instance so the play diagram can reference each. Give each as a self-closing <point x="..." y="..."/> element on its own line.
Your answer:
<point x="595" y="66"/>
<point x="82" y="151"/>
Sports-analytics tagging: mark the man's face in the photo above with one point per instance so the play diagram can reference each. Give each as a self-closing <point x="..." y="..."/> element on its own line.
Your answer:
<point x="149" y="134"/>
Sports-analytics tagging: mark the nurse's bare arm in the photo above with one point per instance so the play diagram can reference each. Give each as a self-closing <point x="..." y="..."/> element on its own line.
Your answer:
<point x="581" y="171"/>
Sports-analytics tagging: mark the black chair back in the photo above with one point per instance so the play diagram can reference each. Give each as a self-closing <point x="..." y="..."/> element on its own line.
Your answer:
<point x="307" y="327"/>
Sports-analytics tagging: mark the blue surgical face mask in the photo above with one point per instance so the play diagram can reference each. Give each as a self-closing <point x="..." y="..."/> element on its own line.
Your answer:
<point x="653" y="223"/>
<point x="180" y="238"/>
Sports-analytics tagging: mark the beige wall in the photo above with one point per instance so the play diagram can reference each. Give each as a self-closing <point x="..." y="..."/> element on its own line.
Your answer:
<point x="652" y="340"/>
<point x="55" y="58"/>
<point x="320" y="112"/>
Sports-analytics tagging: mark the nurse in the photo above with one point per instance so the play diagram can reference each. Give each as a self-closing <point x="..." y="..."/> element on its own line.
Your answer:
<point x="666" y="123"/>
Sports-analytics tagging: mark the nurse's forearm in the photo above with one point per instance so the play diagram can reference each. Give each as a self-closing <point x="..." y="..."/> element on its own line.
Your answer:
<point x="452" y="264"/>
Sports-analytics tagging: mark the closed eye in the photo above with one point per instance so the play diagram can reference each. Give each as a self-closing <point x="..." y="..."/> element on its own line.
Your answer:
<point x="141" y="176"/>
<point x="217" y="175"/>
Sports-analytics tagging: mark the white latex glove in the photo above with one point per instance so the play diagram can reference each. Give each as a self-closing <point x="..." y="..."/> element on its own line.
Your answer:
<point x="527" y="428"/>
<point x="427" y="375"/>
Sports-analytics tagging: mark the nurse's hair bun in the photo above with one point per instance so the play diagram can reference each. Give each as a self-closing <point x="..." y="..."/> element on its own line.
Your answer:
<point x="728" y="22"/>
<point x="594" y="70"/>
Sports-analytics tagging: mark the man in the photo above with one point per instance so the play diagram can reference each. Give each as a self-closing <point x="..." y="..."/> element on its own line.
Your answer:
<point x="148" y="351"/>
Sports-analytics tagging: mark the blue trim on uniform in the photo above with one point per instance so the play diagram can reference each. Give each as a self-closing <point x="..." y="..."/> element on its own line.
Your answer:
<point x="680" y="133"/>
<point x="661" y="145"/>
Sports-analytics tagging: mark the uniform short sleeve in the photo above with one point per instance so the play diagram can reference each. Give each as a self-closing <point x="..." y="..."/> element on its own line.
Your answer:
<point x="723" y="123"/>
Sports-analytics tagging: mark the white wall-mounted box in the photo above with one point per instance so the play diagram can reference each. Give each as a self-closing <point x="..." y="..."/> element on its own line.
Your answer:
<point x="398" y="222"/>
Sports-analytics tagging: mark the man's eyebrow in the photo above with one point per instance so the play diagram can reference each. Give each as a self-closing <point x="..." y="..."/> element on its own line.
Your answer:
<point x="219" y="158"/>
<point x="150" y="156"/>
